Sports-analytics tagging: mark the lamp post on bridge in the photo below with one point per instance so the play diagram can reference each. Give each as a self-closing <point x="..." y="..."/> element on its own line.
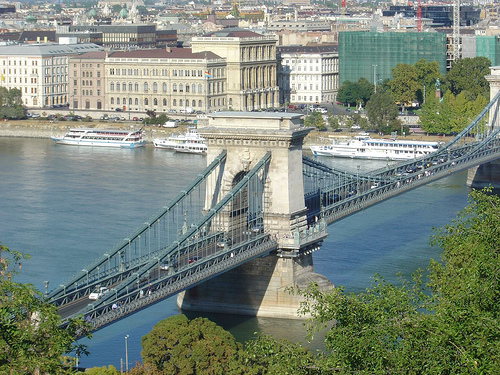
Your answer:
<point x="126" y="354"/>
<point x="46" y="286"/>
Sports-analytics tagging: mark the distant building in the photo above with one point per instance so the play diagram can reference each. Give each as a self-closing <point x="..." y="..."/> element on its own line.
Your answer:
<point x="39" y="71"/>
<point x="308" y="74"/>
<point x="116" y="37"/>
<point x="251" y="67"/>
<point x="87" y="81"/>
<point x="373" y="55"/>
<point x="162" y="80"/>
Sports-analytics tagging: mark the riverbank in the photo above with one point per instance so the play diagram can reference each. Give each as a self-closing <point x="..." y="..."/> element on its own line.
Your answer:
<point x="46" y="129"/>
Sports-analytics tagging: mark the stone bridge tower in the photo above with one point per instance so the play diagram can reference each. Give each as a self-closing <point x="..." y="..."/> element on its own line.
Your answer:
<point x="488" y="173"/>
<point x="259" y="287"/>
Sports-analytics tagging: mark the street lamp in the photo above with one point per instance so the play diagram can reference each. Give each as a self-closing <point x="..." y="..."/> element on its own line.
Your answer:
<point x="126" y="354"/>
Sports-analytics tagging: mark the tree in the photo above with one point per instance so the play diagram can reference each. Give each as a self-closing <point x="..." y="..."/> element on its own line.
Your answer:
<point x="383" y="113"/>
<point x="452" y="114"/>
<point x="31" y="339"/>
<point x="315" y="119"/>
<point x="11" y="103"/>
<point x="266" y="355"/>
<point x="468" y="286"/>
<point x="177" y="345"/>
<point x="404" y="84"/>
<point x="450" y="329"/>
<point x="333" y="122"/>
<point x="468" y="76"/>
<point x="111" y="370"/>
<point x="355" y="92"/>
<point x="427" y="74"/>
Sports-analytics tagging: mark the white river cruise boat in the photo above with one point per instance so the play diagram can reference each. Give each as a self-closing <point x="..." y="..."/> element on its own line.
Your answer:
<point x="190" y="142"/>
<point x="102" y="138"/>
<point x="364" y="147"/>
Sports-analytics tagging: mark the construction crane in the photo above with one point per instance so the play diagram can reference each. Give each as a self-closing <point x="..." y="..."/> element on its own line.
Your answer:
<point x="456" y="30"/>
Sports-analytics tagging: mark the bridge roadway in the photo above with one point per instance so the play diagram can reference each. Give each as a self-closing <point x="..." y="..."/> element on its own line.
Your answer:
<point x="329" y="196"/>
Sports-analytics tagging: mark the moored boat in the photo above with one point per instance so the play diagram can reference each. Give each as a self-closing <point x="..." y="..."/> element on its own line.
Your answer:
<point x="364" y="147"/>
<point x="190" y="142"/>
<point x="102" y="138"/>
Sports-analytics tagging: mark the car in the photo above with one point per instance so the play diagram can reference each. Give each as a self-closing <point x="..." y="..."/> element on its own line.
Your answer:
<point x="135" y="118"/>
<point x="118" y="109"/>
<point x="193" y="259"/>
<point x="98" y="293"/>
<point x="258" y="228"/>
<point x="35" y="115"/>
<point x="225" y="242"/>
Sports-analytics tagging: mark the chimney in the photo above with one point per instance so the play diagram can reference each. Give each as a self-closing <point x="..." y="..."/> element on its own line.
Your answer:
<point x="168" y="49"/>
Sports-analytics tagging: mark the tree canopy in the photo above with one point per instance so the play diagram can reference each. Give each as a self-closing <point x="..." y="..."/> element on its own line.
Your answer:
<point x="177" y="345"/>
<point x="383" y="113"/>
<point x="355" y="92"/>
<point x="468" y="76"/>
<point x="315" y="119"/>
<point x="451" y="114"/>
<point x="31" y="339"/>
<point x="404" y="84"/>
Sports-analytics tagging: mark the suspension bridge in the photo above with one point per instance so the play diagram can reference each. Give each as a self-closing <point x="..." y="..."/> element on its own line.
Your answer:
<point x="259" y="200"/>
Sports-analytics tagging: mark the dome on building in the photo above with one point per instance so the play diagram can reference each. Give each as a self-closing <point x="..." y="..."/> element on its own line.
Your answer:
<point x="123" y="13"/>
<point x="30" y="18"/>
<point x="92" y="13"/>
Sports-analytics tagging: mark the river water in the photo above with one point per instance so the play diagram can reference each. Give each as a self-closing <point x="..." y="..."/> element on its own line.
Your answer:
<point x="66" y="206"/>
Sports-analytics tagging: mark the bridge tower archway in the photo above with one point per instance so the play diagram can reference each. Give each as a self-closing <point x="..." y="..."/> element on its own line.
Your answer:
<point x="259" y="287"/>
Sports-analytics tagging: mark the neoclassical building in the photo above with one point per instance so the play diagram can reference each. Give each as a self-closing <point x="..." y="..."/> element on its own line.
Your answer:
<point x="165" y="79"/>
<point x="251" y="66"/>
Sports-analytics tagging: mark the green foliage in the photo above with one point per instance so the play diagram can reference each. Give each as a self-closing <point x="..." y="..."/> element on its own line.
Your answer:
<point x="31" y="340"/>
<point x="404" y="84"/>
<point x="111" y="370"/>
<point x="266" y="355"/>
<point x="179" y="346"/>
<point x="355" y="92"/>
<point x="11" y="104"/>
<point x="468" y="76"/>
<point x="452" y="114"/>
<point x="427" y="74"/>
<point x="156" y="119"/>
<point x="383" y="113"/>
<point x="333" y="122"/>
<point x="468" y="285"/>
<point x="315" y="119"/>
<point x="451" y="329"/>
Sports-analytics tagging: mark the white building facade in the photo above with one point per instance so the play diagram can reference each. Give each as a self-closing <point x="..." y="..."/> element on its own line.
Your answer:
<point x="309" y="74"/>
<point x="39" y="71"/>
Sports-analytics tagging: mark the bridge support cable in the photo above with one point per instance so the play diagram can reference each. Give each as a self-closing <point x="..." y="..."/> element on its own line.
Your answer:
<point x="198" y="247"/>
<point x="144" y="244"/>
<point x="332" y="197"/>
